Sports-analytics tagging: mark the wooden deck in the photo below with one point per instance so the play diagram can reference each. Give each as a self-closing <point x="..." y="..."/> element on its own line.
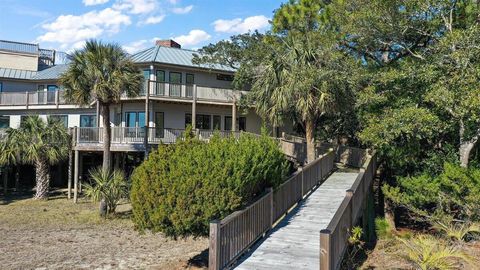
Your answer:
<point x="294" y="242"/>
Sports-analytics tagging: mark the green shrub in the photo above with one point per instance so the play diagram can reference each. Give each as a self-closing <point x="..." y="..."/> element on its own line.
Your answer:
<point x="383" y="229"/>
<point x="455" y="193"/>
<point x="182" y="187"/>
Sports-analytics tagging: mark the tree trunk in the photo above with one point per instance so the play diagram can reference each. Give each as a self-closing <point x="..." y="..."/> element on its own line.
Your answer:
<point x="107" y="154"/>
<point x="464" y="151"/>
<point x="43" y="179"/>
<point x="310" y="136"/>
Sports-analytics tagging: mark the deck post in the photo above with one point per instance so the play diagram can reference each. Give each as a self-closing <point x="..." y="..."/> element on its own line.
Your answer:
<point x="70" y="165"/>
<point x="214" y="246"/>
<point x="325" y="250"/>
<point x="234" y="115"/>
<point x="76" y="175"/>
<point x="194" y="107"/>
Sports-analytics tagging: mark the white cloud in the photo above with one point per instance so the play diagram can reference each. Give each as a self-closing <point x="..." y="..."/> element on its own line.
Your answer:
<point x="194" y="37"/>
<point x="239" y="25"/>
<point x="152" y="20"/>
<point x="69" y="30"/>
<point x="136" y="6"/>
<point x="173" y="2"/>
<point x="94" y="2"/>
<point x="184" y="10"/>
<point x="136" y="46"/>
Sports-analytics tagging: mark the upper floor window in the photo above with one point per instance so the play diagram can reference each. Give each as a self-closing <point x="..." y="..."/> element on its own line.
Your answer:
<point x="224" y="77"/>
<point x="1" y="87"/>
<point x="61" y="118"/>
<point x="4" y="121"/>
<point x="203" y="121"/>
<point x="87" y="121"/>
<point x="176" y="77"/>
<point x="41" y="88"/>
<point x="160" y="76"/>
<point x="52" y="88"/>
<point x="135" y="119"/>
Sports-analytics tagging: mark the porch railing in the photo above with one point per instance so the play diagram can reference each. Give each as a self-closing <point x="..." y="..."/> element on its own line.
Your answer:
<point x="32" y="98"/>
<point x="136" y="135"/>
<point x="233" y="235"/>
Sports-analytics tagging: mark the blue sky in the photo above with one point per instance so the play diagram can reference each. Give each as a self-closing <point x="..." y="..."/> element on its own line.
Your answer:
<point x="135" y="24"/>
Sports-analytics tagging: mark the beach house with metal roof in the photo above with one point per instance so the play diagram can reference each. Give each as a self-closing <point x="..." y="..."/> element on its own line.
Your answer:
<point x="176" y="93"/>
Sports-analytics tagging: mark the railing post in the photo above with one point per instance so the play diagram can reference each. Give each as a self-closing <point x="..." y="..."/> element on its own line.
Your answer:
<point x="325" y="250"/>
<point x="26" y="100"/>
<point x="57" y="96"/>
<point x="214" y="246"/>
<point x="272" y="207"/>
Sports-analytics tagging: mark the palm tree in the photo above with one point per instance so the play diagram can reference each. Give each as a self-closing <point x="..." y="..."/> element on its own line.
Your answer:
<point x="39" y="143"/>
<point x="101" y="73"/>
<point x="302" y="79"/>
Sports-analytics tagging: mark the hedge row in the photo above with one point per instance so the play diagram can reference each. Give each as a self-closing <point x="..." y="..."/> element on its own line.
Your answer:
<point x="182" y="187"/>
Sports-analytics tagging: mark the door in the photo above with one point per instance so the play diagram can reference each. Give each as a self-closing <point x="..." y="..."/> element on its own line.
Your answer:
<point x="190" y="80"/>
<point x="159" y="125"/>
<point x="146" y="77"/>
<point x="175" y="84"/>
<point x="160" y="85"/>
<point x="51" y="90"/>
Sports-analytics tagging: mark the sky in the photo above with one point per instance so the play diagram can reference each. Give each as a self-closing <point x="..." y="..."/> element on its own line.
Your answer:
<point x="135" y="24"/>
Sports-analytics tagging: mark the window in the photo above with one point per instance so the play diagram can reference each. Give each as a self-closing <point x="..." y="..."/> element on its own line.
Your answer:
<point x="160" y="76"/>
<point x="41" y="88"/>
<point x="61" y="118"/>
<point x="224" y="77"/>
<point x="87" y="121"/>
<point x="52" y="88"/>
<point x="4" y="121"/>
<point x="146" y="77"/>
<point x="176" y="77"/>
<point x="1" y="87"/>
<point x="159" y="124"/>
<point x="203" y="121"/>
<point x="135" y="119"/>
<point x="241" y="123"/>
<point x="217" y="122"/>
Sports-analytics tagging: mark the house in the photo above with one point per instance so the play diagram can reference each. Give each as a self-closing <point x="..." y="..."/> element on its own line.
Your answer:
<point x="176" y="93"/>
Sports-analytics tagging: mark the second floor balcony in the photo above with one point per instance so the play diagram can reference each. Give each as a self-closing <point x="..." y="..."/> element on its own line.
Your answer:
<point x="156" y="90"/>
<point x="32" y="98"/>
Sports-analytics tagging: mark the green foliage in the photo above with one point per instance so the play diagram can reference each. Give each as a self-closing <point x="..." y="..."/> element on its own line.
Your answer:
<point x="100" y="72"/>
<point x="182" y="187"/>
<point x="454" y="193"/>
<point x="109" y="186"/>
<point x="458" y="231"/>
<point x="383" y="229"/>
<point x="429" y="253"/>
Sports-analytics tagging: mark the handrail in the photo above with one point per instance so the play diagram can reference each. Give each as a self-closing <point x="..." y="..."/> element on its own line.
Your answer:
<point x="236" y="233"/>
<point x="334" y="238"/>
<point x="29" y="98"/>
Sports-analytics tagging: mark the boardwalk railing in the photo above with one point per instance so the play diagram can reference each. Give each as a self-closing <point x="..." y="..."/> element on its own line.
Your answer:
<point x="334" y="239"/>
<point x="233" y="235"/>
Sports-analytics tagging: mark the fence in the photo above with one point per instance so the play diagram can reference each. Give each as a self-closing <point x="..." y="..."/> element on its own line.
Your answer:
<point x="232" y="236"/>
<point x="334" y="239"/>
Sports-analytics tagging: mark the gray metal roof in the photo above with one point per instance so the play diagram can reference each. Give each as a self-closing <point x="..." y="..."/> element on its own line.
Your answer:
<point x="14" y="46"/>
<point x="173" y="56"/>
<point x="51" y="73"/>
<point x="19" y="74"/>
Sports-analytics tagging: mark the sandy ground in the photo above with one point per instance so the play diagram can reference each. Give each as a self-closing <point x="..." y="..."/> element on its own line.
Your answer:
<point x="60" y="235"/>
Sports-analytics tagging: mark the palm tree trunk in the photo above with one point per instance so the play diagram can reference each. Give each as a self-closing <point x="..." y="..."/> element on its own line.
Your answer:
<point x="43" y="179"/>
<point x="310" y="136"/>
<point x="107" y="154"/>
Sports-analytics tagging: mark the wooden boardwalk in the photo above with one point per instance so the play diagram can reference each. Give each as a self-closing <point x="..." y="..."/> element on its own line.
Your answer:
<point x="295" y="242"/>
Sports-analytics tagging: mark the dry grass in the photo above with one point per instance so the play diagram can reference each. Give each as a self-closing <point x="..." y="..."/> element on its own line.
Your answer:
<point x="57" y="234"/>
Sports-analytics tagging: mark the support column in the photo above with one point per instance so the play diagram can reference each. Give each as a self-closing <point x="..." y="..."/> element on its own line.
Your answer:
<point x="70" y="168"/>
<point x="234" y="116"/>
<point x="194" y="107"/>
<point x="97" y="111"/>
<point x="76" y="175"/>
